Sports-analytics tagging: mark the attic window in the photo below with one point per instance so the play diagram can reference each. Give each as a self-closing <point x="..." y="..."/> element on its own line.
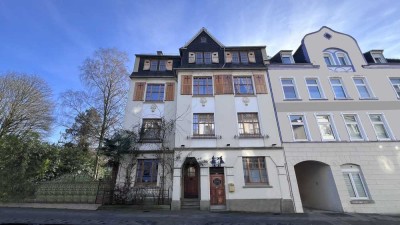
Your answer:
<point x="203" y="40"/>
<point x="327" y="36"/>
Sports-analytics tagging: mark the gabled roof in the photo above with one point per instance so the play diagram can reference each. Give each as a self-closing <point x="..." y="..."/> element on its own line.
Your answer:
<point x="198" y="33"/>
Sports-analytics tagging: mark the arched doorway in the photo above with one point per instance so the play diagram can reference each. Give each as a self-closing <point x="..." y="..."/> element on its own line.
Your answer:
<point x="317" y="187"/>
<point x="191" y="178"/>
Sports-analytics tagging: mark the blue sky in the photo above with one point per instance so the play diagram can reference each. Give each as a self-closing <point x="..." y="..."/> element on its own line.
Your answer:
<point x="52" y="38"/>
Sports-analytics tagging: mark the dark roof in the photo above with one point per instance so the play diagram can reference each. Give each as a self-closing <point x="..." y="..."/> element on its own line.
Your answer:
<point x="157" y="56"/>
<point x="393" y="60"/>
<point x="299" y="56"/>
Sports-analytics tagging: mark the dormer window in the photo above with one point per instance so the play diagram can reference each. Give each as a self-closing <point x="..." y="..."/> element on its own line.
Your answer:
<point x="153" y="65"/>
<point x="336" y="58"/>
<point x="378" y="58"/>
<point x="242" y="57"/>
<point x="287" y="59"/>
<point x="157" y="65"/>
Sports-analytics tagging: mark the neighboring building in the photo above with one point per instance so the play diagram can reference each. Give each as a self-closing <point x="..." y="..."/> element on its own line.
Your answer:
<point x="338" y="113"/>
<point x="225" y="110"/>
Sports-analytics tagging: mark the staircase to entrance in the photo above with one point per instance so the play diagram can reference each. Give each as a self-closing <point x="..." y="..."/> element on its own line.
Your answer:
<point x="190" y="203"/>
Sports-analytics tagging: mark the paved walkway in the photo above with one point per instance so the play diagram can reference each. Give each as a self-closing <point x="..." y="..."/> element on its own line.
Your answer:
<point x="139" y="217"/>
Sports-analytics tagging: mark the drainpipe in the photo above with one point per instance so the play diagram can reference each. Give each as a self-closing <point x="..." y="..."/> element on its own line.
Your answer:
<point x="280" y="137"/>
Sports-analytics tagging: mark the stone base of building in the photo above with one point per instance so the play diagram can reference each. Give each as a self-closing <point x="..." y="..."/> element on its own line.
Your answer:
<point x="261" y="205"/>
<point x="175" y="205"/>
<point x="204" y="205"/>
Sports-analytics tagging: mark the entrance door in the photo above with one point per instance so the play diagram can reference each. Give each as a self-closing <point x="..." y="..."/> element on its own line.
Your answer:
<point x="191" y="181"/>
<point x="217" y="189"/>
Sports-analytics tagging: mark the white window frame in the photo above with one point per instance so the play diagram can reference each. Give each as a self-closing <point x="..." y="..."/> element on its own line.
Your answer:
<point x="380" y="56"/>
<point x="321" y="91"/>
<point x="394" y="89"/>
<point x="165" y="90"/>
<point x="366" y="84"/>
<point x="329" y="55"/>
<point x="287" y="56"/>
<point x="345" y="56"/>
<point x="359" y="124"/>
<point x="344" y="88"/>
<point x="331" y="123"/>
<point x="304" y="124"/>
<point x="385" y="125"/>
<point x="294" y="85"/>
<point x="352" y="171"/>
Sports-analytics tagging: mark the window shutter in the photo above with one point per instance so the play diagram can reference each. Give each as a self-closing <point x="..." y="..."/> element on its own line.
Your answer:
<point x="261" y="86"/>
<point x="192" y="57"/>
<point x="146" y="65"/>
<point x="228" y="86"/>
<point x="219" y="84"/>
<point x="252" y="57"/>
<point x="170" y="93"/>
<point x="139" y="91"/>
<point x="186" y="85"/>
<point x="169" y="64"/>
<point x="215" y="58"/>
<point x="228" y="57"/>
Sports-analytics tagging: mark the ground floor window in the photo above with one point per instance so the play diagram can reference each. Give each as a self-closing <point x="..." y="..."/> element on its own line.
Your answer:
<point x="255" y="171"/>
<point x="146" y="173"/>
<point x="355" y="182"/>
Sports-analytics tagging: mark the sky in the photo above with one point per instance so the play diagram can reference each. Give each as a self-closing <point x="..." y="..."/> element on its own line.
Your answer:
<point x="52" y="38"/>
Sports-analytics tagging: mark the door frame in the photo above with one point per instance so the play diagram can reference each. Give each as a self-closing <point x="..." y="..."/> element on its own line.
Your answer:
<point x="191" y="161"/>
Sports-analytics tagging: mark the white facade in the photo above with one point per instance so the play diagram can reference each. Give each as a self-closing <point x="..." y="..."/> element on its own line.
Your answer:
<point x="349" y="113"/>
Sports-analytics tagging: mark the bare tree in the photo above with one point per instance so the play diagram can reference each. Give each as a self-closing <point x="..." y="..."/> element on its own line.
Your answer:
<point x="25" y="104"/>
<point x="104" y="76"/>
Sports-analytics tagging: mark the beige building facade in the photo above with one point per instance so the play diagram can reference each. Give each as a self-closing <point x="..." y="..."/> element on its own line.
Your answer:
<point x="337" y="111"/>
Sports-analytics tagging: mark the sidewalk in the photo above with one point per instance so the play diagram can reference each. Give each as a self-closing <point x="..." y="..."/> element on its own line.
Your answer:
<point x="140" y="217"/>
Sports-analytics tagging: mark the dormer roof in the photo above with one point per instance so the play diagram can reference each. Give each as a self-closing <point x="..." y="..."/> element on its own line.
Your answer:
<point x="203" y="30"/>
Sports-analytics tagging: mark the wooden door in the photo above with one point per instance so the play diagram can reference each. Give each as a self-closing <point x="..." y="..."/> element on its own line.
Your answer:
<point x="191" y="182"/>
<point x="217" y="189"/>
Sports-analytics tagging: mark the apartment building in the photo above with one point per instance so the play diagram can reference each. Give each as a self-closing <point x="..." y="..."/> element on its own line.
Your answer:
<point x="338" y="113"/>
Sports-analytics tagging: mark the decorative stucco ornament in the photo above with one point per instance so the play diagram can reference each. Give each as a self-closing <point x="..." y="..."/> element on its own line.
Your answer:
<point x="203" y="101"/>
<point x="153" y="107"/>
<point x="246" y="101"/>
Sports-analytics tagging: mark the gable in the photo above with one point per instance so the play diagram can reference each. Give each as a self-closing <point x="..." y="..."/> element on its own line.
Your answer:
<point x="203" y="38"/>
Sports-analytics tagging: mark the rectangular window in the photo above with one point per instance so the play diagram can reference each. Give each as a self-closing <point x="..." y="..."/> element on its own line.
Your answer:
<point x="396" y="85"/>
<point x="202" y="86"/>
<point x="289" y="88"/>
<point x="362" y="87"/>
<point x="353" y="127"/>
<point x="286" y="60"/>
<point x="244" y="58"/>
<point x="155" y="92"/>
<point x="298" y="127"/>
<point x="146" y="173"/>
<point x="151" y="129"/>
<point x="328" y="59"/>
<point x="199" y="57"/>
<point x="248" y="124"/>
<point x="379" y="58"/>
<point x="314" y="90"/>
<point x="163" y="65"/>
<point x="153" y="65"/>
<point x="255" y="170"/>
<point x="338" y="88"/>
<point x="207" y="57"/>
<point x="243" y="85"/>
<point x="380" y="126"/>
<point x="326" y="127"/>
<point x="235" y="57"/>
<point x="203" y="124"/>
<point x="355" y="184"/>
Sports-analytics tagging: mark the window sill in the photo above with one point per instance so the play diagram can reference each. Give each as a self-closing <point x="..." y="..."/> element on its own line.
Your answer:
<point x="318" y="99"/>
<point x="343" y="99"/>
<point x="205" y="137"/>
<point x="292" y="99"/>
<point x="362" y="201"/>
<point x="153" y="101"/>
<point x="199" y="96"/>
<point x="373" y="98"/>
<point x="245" y="136"/>
<point x="245" y="95"/>
<point x="257" y="186"/>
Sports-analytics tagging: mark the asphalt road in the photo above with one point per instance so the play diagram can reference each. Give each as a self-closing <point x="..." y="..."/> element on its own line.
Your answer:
<point x="139" y="217"/>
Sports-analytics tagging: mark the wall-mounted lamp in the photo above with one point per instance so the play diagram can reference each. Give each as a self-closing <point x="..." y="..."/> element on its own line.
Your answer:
<point x="228" y="145"/>
<point x="273" y="145"/>
<point x="182" y="146"/>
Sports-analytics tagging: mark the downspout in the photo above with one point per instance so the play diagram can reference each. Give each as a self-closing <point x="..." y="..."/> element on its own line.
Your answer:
<point x="280" y="137"/>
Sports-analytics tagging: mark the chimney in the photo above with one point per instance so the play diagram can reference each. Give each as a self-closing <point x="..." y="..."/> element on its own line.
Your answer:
<point x="159" y="53"/>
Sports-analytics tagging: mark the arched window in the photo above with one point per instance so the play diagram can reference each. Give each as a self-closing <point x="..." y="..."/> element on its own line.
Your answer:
<point x="355" y="182"/>
<point x="336" y="57"/>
